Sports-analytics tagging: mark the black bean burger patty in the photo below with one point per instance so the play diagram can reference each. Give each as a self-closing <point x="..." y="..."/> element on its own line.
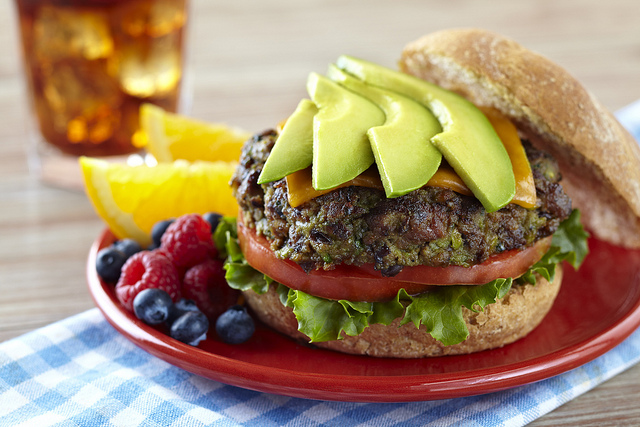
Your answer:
<point x="358" y="225"/>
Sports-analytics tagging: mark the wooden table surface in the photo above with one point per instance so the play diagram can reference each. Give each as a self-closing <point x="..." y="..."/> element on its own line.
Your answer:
<point x="248" y="62"/>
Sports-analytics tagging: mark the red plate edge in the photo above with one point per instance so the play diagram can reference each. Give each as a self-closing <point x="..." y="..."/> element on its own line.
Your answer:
<point x="340" y="387"/>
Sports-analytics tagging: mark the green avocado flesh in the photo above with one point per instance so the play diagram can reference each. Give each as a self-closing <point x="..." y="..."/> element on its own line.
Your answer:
<point x="294" y="149"/>
<point x="364" y="112"/>
<point x="341" y="149"/>
<point x="404" y="154"/>
<point x="468" y="141"/>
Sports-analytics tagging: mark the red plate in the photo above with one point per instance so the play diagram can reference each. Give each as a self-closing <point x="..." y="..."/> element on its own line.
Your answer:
<point x="598" y="307"/>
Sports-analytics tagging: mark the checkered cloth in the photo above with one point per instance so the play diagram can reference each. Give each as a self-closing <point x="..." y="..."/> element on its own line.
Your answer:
<point x="81" y="372"/>
<point x="629" y="116"/>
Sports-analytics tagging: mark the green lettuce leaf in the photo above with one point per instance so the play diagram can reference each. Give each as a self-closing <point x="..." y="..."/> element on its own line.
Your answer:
<point x="325" y="320"/>
<point x="225" y="234"/>
<point x="569" y="243"/>
<point x="571" y="238"/>
<point x="239" y="274"/>
<point x="440" y="310"/>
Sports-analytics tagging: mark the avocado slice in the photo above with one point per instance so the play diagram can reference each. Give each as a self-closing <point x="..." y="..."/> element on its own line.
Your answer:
<point x="468" y="141"/>
<point x="405" y="157"/>
<point x="341" y="149"/>
<point x="293" y="149"/>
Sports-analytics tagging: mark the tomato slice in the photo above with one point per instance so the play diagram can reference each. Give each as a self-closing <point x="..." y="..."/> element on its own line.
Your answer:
<point x="364" y="283"/>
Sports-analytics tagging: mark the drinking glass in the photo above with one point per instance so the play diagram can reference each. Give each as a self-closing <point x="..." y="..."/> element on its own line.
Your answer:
<point x="89" y="65"/>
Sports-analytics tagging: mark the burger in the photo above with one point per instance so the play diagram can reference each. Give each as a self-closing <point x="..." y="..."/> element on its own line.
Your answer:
<point x="439" y="247"/>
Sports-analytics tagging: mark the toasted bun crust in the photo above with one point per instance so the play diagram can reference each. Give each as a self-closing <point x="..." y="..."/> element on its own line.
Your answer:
<point x="504" y="322"/>
<point x="599" y="159"/>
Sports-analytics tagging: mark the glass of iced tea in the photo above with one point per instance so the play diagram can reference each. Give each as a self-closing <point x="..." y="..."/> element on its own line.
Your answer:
<point x="90" y="64"/>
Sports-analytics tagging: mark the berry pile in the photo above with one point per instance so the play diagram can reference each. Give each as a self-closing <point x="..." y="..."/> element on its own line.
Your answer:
<point x="178" y="281"/>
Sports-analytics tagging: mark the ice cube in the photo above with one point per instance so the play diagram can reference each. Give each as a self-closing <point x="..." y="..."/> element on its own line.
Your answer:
<point x="153" y="18"/>
<point x="82" y="100"/>
<point x="71" y="33"/>
<point x="149" y="70"/>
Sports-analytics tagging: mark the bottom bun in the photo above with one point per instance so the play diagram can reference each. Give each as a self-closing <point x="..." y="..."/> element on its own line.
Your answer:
<point x="504" y="322"/>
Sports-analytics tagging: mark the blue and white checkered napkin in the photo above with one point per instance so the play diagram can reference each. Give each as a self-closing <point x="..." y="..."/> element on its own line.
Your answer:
<point x="80" y="371"/>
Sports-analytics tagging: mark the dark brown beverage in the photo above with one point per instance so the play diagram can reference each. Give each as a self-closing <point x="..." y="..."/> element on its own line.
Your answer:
<point x="90" y="64"/>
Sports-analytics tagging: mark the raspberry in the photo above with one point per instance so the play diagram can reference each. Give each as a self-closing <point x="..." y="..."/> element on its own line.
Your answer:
<point x="165" y="253"/>
<point x="205" y="284"/>
<point x="144" y="270"/>
<point x="188" y="241"/>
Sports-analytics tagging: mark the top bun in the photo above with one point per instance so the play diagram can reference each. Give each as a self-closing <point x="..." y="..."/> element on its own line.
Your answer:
<point x="599" y="159"/>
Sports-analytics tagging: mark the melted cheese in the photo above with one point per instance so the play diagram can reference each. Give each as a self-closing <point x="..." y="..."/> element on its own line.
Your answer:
<point x="525" y="186"/>
<point x="300" y="189"/>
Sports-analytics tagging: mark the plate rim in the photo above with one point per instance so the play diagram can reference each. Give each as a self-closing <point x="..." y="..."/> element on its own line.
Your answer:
<point x="320" y="386"/>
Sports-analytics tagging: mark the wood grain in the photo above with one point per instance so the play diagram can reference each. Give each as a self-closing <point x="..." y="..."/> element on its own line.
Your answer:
<point x="248" y="62"/>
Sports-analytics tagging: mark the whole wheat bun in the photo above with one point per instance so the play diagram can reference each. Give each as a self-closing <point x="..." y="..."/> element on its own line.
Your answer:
<point x="501" y="323"/>
<point x="599" y="160"/>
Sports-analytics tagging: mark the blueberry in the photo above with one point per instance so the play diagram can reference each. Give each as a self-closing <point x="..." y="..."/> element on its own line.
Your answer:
<point x="158" y="230"/>
<point x="152" y="306"/>
<point x="190" y="328"/>
<point x="235" y="325"/>
<point x="128" y="246"/>
<point x="109" y="264"/>
<point x="180" y="308"/>
<point x="213" y="219"/>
